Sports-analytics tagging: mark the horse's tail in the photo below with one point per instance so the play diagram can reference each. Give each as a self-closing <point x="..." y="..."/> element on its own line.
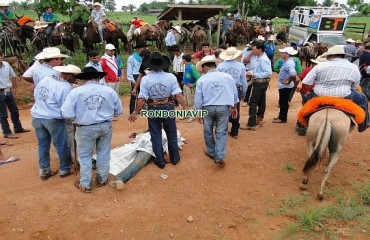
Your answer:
<point x="322" y="142"/>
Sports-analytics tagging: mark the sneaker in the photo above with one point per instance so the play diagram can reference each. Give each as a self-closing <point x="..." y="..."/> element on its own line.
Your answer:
<point x="117" y="184"/>
<point x="11" y="136"/>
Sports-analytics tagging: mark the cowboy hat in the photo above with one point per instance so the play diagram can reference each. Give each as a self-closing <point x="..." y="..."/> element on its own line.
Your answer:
<point x="230" y="54"/>
<point x="289" y="50"/>
<point x="206" y="59"/>
<point x="358" y="41"/>
<point x="39" y="56"/>
<point x="177" y="28"/>
<point x="261" y="38"/>
<point x="157" y="61"/>
<point x="110" y="46"/>
<point x="51" y="52"/>
<point x="228" y="14"/>
<point x="4" y="5"/>
<point x="335" y="50"/>
<point x="271" y="38"/>
<point x="89" y="73"/>
<point x="140" y="45"/>
<point x="96" y="4"/>
<point x="319" y="59"/>
<point x="350" y="40"/>
<point x="68" y="69"/>
<point x="39" y="24"/>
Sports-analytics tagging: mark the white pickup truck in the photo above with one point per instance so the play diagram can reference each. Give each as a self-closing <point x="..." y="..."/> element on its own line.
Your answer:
<point x="317" y="24"/>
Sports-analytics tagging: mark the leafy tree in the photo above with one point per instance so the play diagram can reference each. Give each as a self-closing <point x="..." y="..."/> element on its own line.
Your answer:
<point x="327" y="3"/>
<point x="25" y="5"/>
<point x="362" y="7"/>
<point x="110" y="5"/>
<point x="171" y="1"/>
<point x="124" y="8"/>
<point x="14" y="5"/>
<point x="131" y="7"/>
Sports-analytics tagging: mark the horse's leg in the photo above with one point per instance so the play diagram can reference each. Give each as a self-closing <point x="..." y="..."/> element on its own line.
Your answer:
<point x="333" y="159"/>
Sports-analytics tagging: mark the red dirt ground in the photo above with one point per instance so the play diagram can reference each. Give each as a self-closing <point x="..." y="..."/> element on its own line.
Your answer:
<point x="225" y="204"/>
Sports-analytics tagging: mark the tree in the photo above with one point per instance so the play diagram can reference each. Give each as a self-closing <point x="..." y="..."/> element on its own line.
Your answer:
<point x="327" y="3"/>
<point x="14" y="5"/>
<point x="25" y="5"/>
<point x="110" y="5"/>
<point x="77" y="12"/>
<point x="362" y="7"/>
<point x="131" y="7"/>
<point x="171" y="2"/>
<point x="124" y="8"/>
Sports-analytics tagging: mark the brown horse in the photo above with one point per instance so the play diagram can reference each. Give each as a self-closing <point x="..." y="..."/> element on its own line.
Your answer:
<point x="238" y="32"/>
<point x="16" y="62"/>
<point x="154" y="33"/>
<point x="199" y="37"/>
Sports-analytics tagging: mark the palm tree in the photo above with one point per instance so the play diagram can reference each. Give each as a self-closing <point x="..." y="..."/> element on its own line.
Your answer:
<point x="124" y="8"/>
<point x="131" y="7"/>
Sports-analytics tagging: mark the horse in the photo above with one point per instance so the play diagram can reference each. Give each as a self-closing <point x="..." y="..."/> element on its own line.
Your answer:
<point x="307" y="52"/>
<point x="182" y="38"/>
<point x="239" y="30"/>
<point x="16" y="62"/>
<point x="199" y="36"/>
<point x="152" y="33"/>
<point x="281" y="37"/>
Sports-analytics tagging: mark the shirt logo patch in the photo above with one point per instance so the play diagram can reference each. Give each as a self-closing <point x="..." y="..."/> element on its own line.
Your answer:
<point x="43" y="94"/>
<point x="233" y="72"/>
<point x="158" y="90"/>
<point x="94" y="102"/>
<point x="217" y="87"/>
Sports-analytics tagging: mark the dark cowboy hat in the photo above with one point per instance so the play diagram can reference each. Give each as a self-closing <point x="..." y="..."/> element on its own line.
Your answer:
<point x="174" y="48"/>
<point x="157" y="61"/>
<point x="89" y="73"/>
<point x="140" y="45"/>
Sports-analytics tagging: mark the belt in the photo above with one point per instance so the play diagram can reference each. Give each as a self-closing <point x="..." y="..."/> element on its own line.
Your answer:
<point x="79" y="125"/>
<point x="261" y="80"/>
<point x="160" y="101"/>
<point x="5" y="90"/>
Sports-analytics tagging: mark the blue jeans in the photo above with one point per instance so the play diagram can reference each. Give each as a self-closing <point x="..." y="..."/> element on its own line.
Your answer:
<point x="48" y="31"/>
<point x="87" y="137"/>
<point x="141" y="159"/>
<point x="7" y="99"/>
<point x="48" y="130"/>
<point x="218" y="116"/>
<point x="155" y="129"/>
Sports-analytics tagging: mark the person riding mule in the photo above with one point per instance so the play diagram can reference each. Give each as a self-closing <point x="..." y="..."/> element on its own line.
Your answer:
<point x="96" y="20"/>
<point x="5" y="13"/>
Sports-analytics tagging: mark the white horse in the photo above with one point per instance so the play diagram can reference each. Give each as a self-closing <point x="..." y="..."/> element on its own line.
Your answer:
<point x="328" y="128"/>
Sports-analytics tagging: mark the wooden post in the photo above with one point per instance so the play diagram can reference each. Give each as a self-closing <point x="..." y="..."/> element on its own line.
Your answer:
<point x="180" y="17"/>
<point x="219" y="28"/>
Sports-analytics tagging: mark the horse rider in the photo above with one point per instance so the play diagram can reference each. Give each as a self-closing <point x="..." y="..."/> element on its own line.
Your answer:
<point x="5" y="13"/>
<point x="237" y="72"/>
<point x="96" y="19"/>
<point x="269" y="28"/>
<point x="227" y="25"/>
<point x="158" y="89"/>
<point x="92" y="107"/>
<point x="51" y="57"/>
<point x="237" y="16"/>
<point x="337" y="77"/>
<point x="215" y="93"/>
<point x="49" y="124"/>
<point x="260" y="71"/>
<point x="49" y="17"/>
<point x="8" y="86"/>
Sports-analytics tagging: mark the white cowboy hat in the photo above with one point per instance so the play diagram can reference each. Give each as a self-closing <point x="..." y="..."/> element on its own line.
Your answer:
<point x="335" y="50"/>
<point x="4" y="5"/>
<point x="206" y="59"/>
<point x="319" y="59"/>
<point x="228" y="14"/>
<point x="39" y="24"/>
<point x="177" y="28"/>
<point x="68" y="69"/>
<point x="261" y="38"/>
<point x="110" y="46"/>
<point x="51" y="52"/>
<point x="289" y="50"/>
<point x="96" y="4"/>
<point x="271" y="38"/>
<point x="230" y="54"/>
<point x="350" y="40"/>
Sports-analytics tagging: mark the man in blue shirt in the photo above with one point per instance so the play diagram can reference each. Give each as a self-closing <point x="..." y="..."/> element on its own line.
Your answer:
<point x="93" y="107"/>
<point x="158" y="89"/>
<point x="227" y="25"/>
<point x="237" y="72"/>
<point x="216" y="93"/>
<point x="49" y="17"/>
<point x="270" y="49"/>
<point x="95" y="63"/>
<point x="48" y="121"/>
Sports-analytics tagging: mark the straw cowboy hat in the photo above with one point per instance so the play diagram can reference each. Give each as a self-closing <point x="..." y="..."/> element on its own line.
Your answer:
<point x="207" y="59"/>
<point x="39" y="24"/>
<point x="51" y="52"/>
<point x="177" y="28"/>
<point x="96" y="4"/>
<point x="350" y="40"/>
<point x="4" y="5"/>
<point x="289" y="50"/>
<point x="157" y="61"/>
<point x="230" y="54"/>
<point x="70" y="68"/>
<point x="335" y="50"/>
<point x="358" y="41"/>
<point x="89" y="73"/>
<point x="319" y="59"/>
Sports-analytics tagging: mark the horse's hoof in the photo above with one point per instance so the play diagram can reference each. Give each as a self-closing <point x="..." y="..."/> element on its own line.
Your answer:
<point x="303" y="187"/>
<point x="320" y="197"/>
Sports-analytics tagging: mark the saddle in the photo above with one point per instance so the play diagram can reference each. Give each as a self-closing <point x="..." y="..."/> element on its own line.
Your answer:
<point x="318" y="103"/>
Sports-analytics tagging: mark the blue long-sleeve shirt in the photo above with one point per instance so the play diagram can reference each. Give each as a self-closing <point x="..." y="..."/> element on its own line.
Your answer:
<point x="236" y="71"/>
<point x="260" y="66"/>
<point x="133" y="66"/>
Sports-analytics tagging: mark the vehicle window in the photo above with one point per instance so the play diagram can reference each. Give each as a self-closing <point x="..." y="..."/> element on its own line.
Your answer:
<point x="313" y="38"/>
<point x="333" y="39"/>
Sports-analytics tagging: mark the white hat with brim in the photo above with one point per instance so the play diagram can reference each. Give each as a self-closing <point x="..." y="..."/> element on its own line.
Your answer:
<point x="335" y="50"/>
<point x="4" y="5"/>
<point x="70" y="68"/>
<point x="350" y="40"/>
<point x="96" y="4"/>
<point x="229" y="14"/>
<point x="39" y="56"/>
<point x="261" y="38"/>
<point x="206" y="59"/>
<point x="289" y="50"/>
<point x="52" y="52"/>
<point x="110" y="46"/>
<point x="39" y="24"/>
<point x="319" y="59"/>
<point x="177" y="28"/>
<point x="230" y="54"/>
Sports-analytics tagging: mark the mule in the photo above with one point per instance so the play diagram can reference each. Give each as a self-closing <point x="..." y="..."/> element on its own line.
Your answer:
<point x="327" y="128"/>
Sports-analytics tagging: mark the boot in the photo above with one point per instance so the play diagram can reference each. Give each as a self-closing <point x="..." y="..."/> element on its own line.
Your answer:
<point x="260" y="121"/>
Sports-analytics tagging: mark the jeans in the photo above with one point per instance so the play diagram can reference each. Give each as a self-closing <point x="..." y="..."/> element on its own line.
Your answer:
<point x="365" y="83"/>
<point x="141" y="159"/>
<point x="257" y="103"/>
<point x="284" y="94"/>
<point x="48" y="31"/>
<point x="7" y="99"/>
<point x="133" y="98"/>
<point x="155" y="129"/>
<point x="235" y="122"/>
<point x="100" y="30"/>
<point x="217" y="116"/>
<point x="87" y="137"/>
<point x="48" y="130"/>
<point x="271" y="57"/>
<point x="71" y="136"/>
<point x="223" y="35"/>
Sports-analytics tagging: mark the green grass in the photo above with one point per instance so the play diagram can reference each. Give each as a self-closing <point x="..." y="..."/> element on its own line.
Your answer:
<point x="288" y="167"/>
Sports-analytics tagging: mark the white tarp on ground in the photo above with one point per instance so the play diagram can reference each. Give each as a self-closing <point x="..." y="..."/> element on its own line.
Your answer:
<point x="122" y="157"/>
